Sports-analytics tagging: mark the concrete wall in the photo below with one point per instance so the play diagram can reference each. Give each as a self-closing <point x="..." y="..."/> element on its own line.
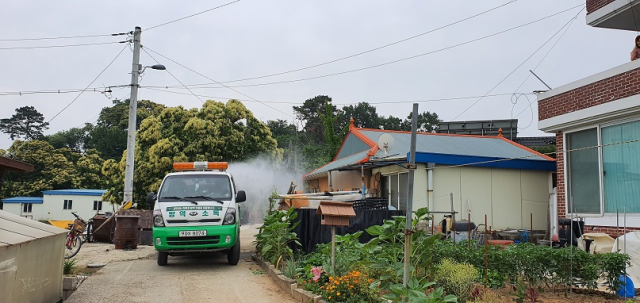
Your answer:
<point x="507" y="196"/>
<point x="40" y="276"/>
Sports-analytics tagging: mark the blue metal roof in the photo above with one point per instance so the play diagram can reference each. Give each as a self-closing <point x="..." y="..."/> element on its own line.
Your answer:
<point x="453" y="145"/>
<point x="348" y="160"/>
<point x="440" y="149"/>
<point x="34" y="200"/>
<point x="75" y="192"/>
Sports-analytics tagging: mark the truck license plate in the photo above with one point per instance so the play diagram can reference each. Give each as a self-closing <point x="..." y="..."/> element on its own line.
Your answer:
<point x="192" y="233"/>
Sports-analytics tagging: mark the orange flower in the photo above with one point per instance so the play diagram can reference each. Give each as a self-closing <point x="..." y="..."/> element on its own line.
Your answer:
<point x="338" y="294"/>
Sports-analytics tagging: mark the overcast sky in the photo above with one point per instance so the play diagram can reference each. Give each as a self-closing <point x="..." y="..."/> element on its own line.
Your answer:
<point x="253" y="38"/>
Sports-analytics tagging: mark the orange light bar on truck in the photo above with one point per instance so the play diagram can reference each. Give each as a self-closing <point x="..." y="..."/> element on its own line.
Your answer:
<point x="179" y="166"/>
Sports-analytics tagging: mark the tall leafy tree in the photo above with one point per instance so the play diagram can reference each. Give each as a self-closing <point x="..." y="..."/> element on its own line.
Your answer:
<point x="27" y="123"/>
<point x="76" y="139"/>
<point x="309" y="112"/>
<point x="363" y="114"/>
<point x="53" y="169"/>
<point x="216" y="132"/>
<point x="427" y="122"/>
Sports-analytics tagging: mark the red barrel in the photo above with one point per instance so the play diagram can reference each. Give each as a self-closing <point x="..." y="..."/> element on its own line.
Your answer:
<point x="127" y="232"/>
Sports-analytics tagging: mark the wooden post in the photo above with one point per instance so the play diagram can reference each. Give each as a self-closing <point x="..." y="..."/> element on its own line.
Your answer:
<point x="486" y="253"/>
<point x="333" y="248"/>
<point x="469" y="230"/>
<point x="531" y="231"/>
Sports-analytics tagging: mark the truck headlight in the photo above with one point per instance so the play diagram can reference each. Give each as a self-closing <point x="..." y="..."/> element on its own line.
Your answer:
<point x="230" y="216"/>
<point x="158" y="221"/>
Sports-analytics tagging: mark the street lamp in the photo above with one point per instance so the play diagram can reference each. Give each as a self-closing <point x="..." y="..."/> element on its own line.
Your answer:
<point x="136" y="70"/>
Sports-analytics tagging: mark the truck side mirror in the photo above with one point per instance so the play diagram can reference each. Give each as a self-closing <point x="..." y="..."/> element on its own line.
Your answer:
<point x="241" y="196"/>
<point x="151" y="198"/>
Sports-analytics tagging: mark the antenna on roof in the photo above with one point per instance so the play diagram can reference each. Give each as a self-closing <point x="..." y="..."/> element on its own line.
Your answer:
<point x="385" y="143"/>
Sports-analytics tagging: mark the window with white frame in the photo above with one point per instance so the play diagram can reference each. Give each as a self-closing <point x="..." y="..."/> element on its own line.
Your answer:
<point x="395" y="189"/>
<point x="68" y="204"/>
<point x="604" y="179"/>
<point x="97" y="205"/>
<point x="27" y="207"/>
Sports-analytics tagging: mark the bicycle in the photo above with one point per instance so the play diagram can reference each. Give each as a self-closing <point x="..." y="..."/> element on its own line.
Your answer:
<point x="73" y="240"/>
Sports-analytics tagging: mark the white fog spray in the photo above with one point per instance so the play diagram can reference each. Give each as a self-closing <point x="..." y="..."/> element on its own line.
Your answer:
<point x="258" y="177"/>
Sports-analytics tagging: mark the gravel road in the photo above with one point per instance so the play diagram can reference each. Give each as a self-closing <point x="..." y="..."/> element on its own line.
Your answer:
<point x="202" y="278"/>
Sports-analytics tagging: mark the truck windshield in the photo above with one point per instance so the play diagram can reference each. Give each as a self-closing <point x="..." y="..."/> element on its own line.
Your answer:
<point x="206" y="187"/>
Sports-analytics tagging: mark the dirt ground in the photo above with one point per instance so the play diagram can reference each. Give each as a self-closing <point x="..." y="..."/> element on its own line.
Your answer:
<point x="104" y="253"/>
<point x="583" y="296"/>
<point x="134" y="276"/>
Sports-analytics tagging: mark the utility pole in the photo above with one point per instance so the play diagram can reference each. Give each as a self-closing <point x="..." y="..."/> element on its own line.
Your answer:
<point x="133" y="111"/>
<point x="412" y="167"/>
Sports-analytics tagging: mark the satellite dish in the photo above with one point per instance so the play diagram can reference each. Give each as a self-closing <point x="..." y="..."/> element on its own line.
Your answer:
<point x="385" y="143"/>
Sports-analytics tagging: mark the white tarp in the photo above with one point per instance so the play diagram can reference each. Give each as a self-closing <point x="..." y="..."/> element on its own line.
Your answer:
<point x="630" y="241"/>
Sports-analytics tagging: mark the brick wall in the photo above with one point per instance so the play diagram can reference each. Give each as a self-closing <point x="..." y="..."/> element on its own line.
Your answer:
<point x="606" y="90"/>
<point x="594" y="5"/>
<point x="560" y="195"/>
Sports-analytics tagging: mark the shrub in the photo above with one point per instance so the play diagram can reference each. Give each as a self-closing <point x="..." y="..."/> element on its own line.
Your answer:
<point x="276" y="234"/>
<point x="69" y="266"/>
<point x="456" y="278"/>
<point x="350" y="288"/>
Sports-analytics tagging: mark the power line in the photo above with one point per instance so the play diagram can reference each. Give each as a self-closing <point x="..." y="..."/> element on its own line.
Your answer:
<point x="94" y="80"/>
<point x="174" y="77"/>
<point x="377" y="65"/>
<point x="373" y="49"/>
<point x="200" y="74"/>
<point x="59" y="46"/>
<point x="566" y="29"/>
<point x="61" y="91"/>
<point x="515" y="69"/>
<point x="186" y="17"/>
<point x="61" y="37"/>
<point x="341" y="104"/>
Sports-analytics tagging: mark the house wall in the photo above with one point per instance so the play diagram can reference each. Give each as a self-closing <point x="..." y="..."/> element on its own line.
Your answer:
<point x="82" y="205"/>
<point x="420" y="192"/>
<point x="14" y="208"/>
<point x="614" y="84"/>
<point x="346" y="180"/>
<point x="594" y="5"/>
<point x="507" y="196"/>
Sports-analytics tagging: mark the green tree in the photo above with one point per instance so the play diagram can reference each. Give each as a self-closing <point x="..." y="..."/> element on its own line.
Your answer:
<point x="363" y="114"/>
<point x="391" y="123"/>
<point x="309" y="112"/>
<point x="427" y="122"/>
<point x="53" y="169"/>
<point x="26" y="123"/>
<point x="283" y="132"/>
<point x="76" y="139"/>
<point x="109" y="136"/>
<point x="216" y="132"/>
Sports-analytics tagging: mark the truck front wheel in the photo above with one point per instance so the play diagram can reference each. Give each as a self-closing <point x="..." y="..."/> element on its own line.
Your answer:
<point x="162" y="258"/>
<point x="233" y="256"/>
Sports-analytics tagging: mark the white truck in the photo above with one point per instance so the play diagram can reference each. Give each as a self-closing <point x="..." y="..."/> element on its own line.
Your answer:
<point x="196" y="210"/>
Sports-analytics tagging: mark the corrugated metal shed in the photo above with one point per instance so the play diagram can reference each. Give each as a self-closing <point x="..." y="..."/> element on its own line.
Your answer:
<point x="75" y="192"/>
<point x="34" y="200"/>
<point x="432" y="147"/>
<point x="38" y="250"/>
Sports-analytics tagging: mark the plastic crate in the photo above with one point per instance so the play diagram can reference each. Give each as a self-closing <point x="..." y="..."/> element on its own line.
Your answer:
<point x="371" y="204"/>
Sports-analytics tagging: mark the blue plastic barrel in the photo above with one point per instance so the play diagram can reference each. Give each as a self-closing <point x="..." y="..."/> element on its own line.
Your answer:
<point x="626" y="291"/>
